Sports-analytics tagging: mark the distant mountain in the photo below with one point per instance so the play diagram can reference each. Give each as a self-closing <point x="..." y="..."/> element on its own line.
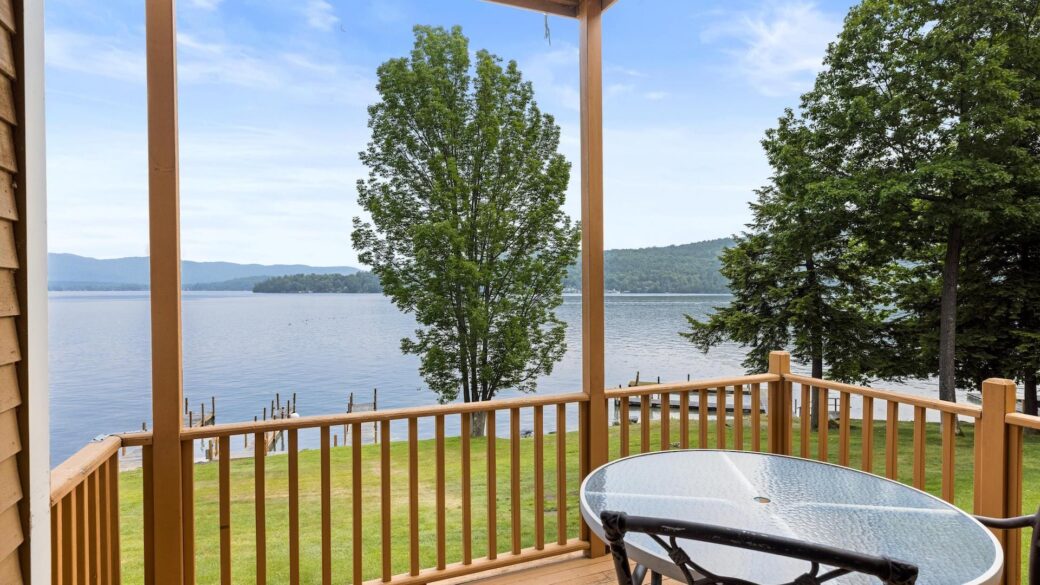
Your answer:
<point x="66" y="271"/>
<point x="687" y="268"/>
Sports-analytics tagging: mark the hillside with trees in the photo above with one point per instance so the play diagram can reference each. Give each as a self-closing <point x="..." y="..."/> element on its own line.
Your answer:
<point x="359" y="282"/>
<point x="687" y="268"/>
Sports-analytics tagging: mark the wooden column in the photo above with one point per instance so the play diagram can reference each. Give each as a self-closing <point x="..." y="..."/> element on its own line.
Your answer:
<point x="998" y="467"/>
<point x="592" y="321"/>
<point x="164" y="244"/>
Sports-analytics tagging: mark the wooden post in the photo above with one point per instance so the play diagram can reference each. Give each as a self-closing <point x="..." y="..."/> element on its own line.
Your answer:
<point x="999" y="466"/>
<point x="164" y="250"/>
<point x="779" y="404"/>
<point x="592" y="320"/>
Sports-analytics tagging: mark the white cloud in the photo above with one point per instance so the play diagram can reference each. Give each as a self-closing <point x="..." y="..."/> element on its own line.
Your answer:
<point x="554" y="74"/>
<point x="95" y="55"/>
<point x="656" y="96"/>
<point x="320" y="15"/>
<point x="206" y="4"/>
<point x="780" y="47"/>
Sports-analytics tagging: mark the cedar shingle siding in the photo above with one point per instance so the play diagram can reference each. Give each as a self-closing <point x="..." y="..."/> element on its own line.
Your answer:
<point x="11" y="398"/>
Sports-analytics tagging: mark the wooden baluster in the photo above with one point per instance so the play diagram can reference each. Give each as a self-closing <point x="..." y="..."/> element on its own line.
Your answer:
<point x="326" y="508"/>
<point x="467" y="510"/>
<point x="949" y="448"/>
<point x="413" y="494"/>
<point x="561" y="474"/>
<point x="666" y="420"/>
<point x="684" y="420"/>
<point x="756" y="417"/>
<point x="806" y="418"/>
<point x="82" y="553"/>
<point x="702" y="417"/>
<point x="644" y="423"/>
<point x="56" y="544"/>
<point x="738" y="417"/>
<point x="623" y="437"/>
<point x="440" y="497"/>
<point x="188" y="509"/>
<point x="514" y="475"/>
<point x="260" y="504"/>
<point x="720" y="417"/>
<point x="384" y="496"/>
<point x="844" y="428"/>
<point x="824" y="424"/>
<point x="224" y="468"/>
<point x="539" y="481"/>
<point x="867" y="463"/>
<point x="294" y="507"/>
<point x="892" y="441"/>
<point x="68" y="542"/>
<point x="115" y="569"/>
<point x="93" y="528"/>
<point x="104" y="529"/>
<point x="919" y="448"/>
<point x="148" y="538"/>
<point x="492" y="487"/>
<point x="356" y="496"/>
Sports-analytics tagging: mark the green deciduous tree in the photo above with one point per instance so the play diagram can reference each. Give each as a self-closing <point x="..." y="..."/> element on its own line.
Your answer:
<point x="465" y="193"/>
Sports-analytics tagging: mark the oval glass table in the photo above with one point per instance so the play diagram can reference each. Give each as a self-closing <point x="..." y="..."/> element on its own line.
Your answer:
<point x="787" y="496"/>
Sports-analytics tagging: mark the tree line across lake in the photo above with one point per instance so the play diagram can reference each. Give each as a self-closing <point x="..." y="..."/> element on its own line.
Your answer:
<point x="684" y="269"/>
<point x="359" y="282"/>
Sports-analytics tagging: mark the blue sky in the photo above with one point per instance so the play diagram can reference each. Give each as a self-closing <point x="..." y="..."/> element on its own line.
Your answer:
<point x="272" y="113"/>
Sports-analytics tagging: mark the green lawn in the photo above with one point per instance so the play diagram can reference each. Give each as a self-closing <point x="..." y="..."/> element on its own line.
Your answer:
<point x="243" y="518"/>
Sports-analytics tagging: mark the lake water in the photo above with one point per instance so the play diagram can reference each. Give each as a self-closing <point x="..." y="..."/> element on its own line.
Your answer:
<point x="242" y="348"/>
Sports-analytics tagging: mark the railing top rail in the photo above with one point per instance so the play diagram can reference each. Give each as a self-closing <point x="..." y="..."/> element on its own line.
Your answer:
<point x="1022" y="420"/>
<point x="691" y="385"/>
<point x="135" y="438"/>
<point x="971" y="410"/>
<point x="75" y="470"/>
<point x="329" y="420"/>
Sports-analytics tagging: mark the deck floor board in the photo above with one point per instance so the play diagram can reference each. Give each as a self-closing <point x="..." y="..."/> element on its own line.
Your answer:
<point x="568" y="571"/>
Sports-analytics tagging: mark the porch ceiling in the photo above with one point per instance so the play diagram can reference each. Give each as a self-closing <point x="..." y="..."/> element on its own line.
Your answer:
<point x="568" y="8"/>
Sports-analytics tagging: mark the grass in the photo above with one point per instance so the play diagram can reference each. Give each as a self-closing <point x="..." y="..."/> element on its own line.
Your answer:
<point x="243" y="551"/>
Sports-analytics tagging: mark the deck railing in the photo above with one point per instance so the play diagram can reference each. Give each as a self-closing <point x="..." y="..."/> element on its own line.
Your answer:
<point x="379" y="512"/>
<point x="85" y="516"/>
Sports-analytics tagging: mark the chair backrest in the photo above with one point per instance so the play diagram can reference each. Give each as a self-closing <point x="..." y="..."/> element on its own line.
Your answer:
<point x="666" y="532"/>
<point x="1018" y="523"/>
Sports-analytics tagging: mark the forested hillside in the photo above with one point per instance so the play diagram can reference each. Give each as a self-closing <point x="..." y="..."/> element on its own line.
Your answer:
<point x="688" y="268"/>
<point x="359" y="282"/>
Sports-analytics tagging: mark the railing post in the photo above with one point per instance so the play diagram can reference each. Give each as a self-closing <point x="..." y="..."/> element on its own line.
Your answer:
<point x="594" y="423"/>
<point x="779" y="407"/>
<point x="998" y="476"/>
<point x="165" y="277"/>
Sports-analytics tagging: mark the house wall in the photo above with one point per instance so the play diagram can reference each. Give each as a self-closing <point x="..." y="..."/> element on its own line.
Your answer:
<point x="24" y="472"/>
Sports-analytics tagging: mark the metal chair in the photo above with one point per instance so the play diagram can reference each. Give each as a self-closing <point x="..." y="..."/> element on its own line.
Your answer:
<point x="1018" y="523"/>
<point x="841" y="562"/>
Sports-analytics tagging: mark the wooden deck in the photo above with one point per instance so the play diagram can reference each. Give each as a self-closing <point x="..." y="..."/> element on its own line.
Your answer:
<point x="569" y="570"/>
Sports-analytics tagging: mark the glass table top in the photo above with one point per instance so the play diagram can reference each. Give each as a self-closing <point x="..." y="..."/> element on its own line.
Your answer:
<point x="791" y="497"/>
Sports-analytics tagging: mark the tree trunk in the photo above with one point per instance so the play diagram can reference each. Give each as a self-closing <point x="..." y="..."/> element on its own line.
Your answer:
<point x="814" y="408"/>
<point x="948" y="316"/>
<point x="476" y="423"/>
<point x="1029" y="405"/>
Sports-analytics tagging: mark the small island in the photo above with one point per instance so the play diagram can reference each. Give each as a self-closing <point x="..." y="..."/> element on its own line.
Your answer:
<point x="359" y="282"/>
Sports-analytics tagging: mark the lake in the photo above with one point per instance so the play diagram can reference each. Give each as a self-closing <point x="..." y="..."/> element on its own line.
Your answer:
<point x="242" y="348"/>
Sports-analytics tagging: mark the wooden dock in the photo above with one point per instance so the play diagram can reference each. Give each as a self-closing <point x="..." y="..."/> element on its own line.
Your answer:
<point x="635" y="402"/>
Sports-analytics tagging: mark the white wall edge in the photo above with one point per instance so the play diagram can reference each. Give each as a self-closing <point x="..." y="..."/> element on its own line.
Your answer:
<point x="35" y="218"/>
